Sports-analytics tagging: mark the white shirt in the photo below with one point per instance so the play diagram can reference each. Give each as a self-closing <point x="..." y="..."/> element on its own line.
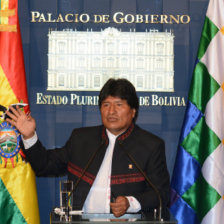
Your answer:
<point x="98" y="198"/>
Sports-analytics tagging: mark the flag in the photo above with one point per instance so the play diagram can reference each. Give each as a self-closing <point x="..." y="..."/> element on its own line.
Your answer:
<point x="18" y="196"/>
<point x="198" y="177"/>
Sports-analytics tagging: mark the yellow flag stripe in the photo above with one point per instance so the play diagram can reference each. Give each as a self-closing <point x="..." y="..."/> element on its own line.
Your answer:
<point x="4" y="6"/>
<point x="23" y="197"/>
<point x="8" y="28"/>
<point x="7" y="96"/>
<point x="10" y="12"/>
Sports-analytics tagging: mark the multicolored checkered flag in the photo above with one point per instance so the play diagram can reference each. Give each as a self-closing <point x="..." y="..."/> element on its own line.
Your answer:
<point x="198" y="178"/>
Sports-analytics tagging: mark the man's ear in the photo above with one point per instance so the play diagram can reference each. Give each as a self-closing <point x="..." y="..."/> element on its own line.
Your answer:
<point x="133" y="112"/>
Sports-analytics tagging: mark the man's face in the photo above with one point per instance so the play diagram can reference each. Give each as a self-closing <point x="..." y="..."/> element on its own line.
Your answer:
<point x="116" y="114"/>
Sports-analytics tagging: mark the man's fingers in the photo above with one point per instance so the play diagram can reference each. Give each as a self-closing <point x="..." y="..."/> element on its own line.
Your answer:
<point x="12" y="122"/>
<point x="120" y="206"/>
<point x="14" y="113"/>
<point x="20" y="112"/>
<point x="11" y="115"/>
<point x="118" y="212"/>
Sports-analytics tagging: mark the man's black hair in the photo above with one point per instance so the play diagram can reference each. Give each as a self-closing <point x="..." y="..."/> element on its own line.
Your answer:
<point x="123" y="89"/>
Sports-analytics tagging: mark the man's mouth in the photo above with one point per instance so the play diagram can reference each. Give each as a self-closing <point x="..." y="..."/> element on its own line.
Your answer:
<point x="111" y="119"/>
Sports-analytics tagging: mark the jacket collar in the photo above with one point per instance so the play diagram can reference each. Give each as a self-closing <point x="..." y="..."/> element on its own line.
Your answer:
<point x="121" y="137"/>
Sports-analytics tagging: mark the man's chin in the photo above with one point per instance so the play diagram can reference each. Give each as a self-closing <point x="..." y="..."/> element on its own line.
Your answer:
<point x="114" y="130"/>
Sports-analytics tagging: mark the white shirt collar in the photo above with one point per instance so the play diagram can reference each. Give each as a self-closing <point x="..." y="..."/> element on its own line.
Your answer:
<point x="111" y="136"/>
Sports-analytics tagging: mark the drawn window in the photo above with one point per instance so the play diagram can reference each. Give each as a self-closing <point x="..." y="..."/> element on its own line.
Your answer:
<point x="159" y="81"/>
<point x="110" y="62"/>
<point x="96" y="62"/>
<point x="97" y="47"/>
<point x="110" y="47"/>
<point x="61" y="80"/>
<point x="97" y="81"/>
<point x="81" y="62"/>
<point x="61" y="47"/>
<point x="140" y="48"/>
<point x="160" y="48"/>
<point x="124" y="48"/>
<point x="81" y="81"/>
<point x="139" y="82"/>
<point x="124" y="62"/>
<point x="61" y="62"/>
<point x="159" y="64"/>
<point x="81" y="47"/>
<point x="140" y="63"/>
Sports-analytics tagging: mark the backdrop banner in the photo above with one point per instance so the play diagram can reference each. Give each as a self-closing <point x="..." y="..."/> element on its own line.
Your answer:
<point x="71" y="47"/>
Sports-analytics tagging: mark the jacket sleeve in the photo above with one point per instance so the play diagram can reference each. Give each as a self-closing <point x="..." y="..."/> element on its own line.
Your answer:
<point x="52" y="162"/>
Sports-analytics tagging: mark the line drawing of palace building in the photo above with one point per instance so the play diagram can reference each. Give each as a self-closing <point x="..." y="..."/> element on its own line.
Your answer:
<point x="85" y="60"/>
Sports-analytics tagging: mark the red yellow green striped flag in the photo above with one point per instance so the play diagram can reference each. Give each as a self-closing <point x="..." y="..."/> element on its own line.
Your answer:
<point x="18" y="196"/>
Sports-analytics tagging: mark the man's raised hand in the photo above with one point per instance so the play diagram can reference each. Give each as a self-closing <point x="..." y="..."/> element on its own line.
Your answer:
<point x="22" y="121"/>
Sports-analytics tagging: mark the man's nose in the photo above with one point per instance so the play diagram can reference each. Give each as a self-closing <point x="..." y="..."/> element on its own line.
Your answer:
<point x="112" y="109"/>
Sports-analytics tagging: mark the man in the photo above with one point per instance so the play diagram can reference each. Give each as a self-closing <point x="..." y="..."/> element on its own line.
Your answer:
<point x="99" y="156"/>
